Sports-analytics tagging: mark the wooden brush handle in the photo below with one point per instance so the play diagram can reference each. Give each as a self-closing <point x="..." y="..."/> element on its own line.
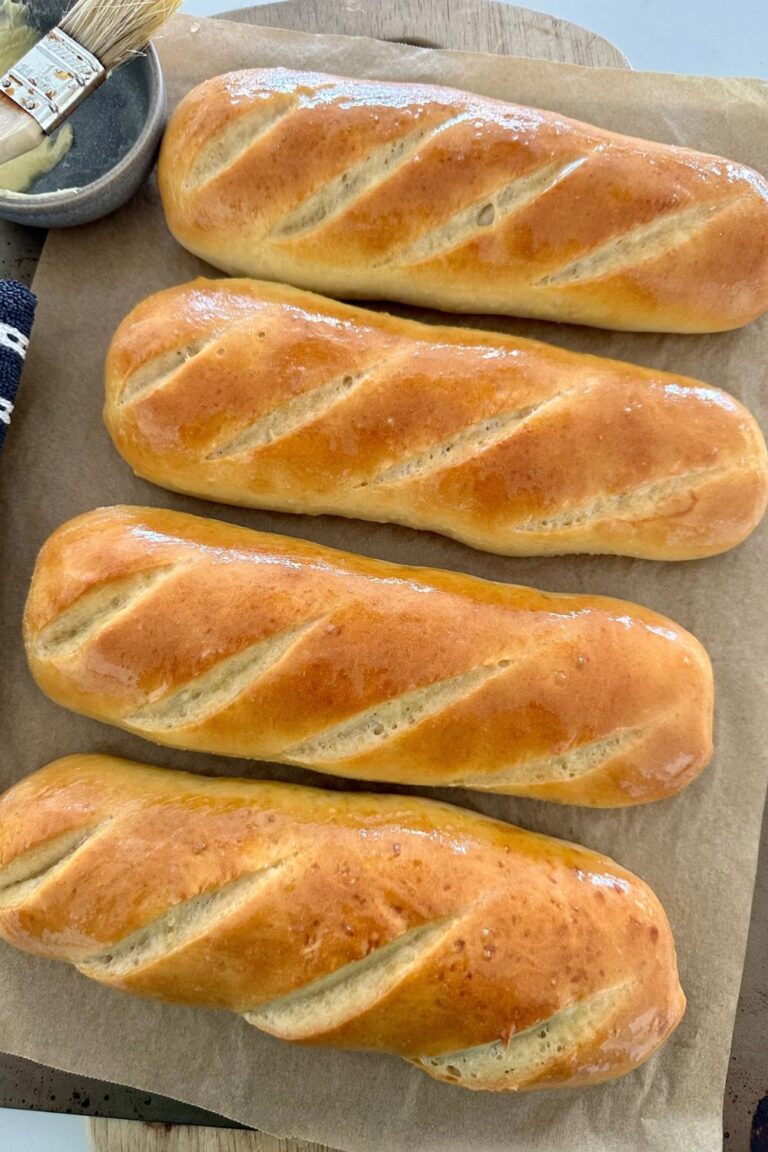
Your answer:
<point x="19" y="131"/>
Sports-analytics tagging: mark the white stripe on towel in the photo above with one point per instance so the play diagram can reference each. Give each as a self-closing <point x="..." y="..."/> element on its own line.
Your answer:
<point x="11" y="338"/>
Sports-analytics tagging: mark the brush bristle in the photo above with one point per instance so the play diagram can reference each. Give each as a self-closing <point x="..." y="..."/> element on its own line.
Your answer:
<point x="115" y="30"/>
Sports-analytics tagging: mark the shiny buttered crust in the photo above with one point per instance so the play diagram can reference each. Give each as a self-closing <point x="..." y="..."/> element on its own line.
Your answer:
<point x="488" y="956"/>
<point x="206" y="636"/>
<point x="264" y="395"/>
<point x="377" y="190"/>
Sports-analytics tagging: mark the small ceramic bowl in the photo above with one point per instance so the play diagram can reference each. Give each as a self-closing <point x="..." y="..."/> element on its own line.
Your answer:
<point x="117" y="133"/>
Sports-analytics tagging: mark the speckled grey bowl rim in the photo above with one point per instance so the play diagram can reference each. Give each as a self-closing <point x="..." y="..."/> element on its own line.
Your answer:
<point x="30" y="208"/>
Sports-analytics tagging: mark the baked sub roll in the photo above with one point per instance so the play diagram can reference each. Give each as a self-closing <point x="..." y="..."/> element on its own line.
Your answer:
<point x="377" y="190"/>
<point x="201" y="635"/>
<point x="487" y="956"/>
<point x="263" y="395"/>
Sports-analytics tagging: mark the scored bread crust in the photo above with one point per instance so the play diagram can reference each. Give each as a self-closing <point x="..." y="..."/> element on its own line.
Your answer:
<point x="263" y="395"/>
<point x="486" y="955"/>
<point x="378" y="190"/>
<point x="203" y="635"/>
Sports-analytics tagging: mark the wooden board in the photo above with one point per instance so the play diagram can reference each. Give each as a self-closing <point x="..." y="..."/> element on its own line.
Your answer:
<point x="470" y="25"/>
<point x="133" y="1136"/>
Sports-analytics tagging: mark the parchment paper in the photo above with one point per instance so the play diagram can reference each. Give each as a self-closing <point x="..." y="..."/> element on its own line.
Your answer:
<point x="698" y="850"/>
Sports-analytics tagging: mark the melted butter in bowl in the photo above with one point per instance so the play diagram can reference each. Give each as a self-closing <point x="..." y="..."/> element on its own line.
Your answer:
<point x="17" y="36"/>
<point x="102" y="154"/>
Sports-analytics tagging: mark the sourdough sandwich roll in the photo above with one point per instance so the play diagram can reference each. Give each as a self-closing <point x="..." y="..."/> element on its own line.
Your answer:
<point x="202" y="635"/>
<point x="377" y="190"/>
<point x="487" y="956"/>
<point x="263" y="395"/>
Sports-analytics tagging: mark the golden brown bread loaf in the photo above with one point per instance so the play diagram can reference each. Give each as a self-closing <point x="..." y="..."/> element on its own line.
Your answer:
<point x="377" y="190"/>
<point x="202" y="635"/>
<point x="263" y="395"/>
<point x="485" y="955"/>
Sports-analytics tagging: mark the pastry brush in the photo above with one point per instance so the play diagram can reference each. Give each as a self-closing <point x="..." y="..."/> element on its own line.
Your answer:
<point x="61" y="71"/>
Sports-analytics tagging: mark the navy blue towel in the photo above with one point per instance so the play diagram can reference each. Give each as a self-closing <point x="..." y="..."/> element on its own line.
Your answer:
<point x="17" y="311"/>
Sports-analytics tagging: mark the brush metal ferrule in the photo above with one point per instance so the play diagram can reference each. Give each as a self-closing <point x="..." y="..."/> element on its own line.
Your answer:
<point x="52" y="79"/>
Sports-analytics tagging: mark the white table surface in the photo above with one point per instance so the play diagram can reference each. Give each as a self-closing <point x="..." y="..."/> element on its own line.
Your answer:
<point x="705" y="37"/>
